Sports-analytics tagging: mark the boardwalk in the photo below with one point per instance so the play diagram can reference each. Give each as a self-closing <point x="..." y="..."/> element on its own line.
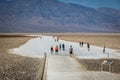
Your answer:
<point x="66" y="68"/>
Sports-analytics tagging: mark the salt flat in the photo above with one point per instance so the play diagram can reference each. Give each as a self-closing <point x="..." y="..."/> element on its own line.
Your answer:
<point x="38" y="46"/>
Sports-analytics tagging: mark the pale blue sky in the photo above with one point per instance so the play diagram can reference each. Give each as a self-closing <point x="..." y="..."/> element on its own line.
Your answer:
<point x="96" y="3"/>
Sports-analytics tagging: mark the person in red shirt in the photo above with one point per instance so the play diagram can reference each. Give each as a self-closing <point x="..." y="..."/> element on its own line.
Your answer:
<point x="56" y="49"/>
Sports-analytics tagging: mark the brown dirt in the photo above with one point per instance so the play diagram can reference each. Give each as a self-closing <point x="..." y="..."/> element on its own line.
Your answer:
<point x="14" y="67"/>
<point x="12" y="42"/>
<point x="109" y="40"/>
<point x="95" y="64"/>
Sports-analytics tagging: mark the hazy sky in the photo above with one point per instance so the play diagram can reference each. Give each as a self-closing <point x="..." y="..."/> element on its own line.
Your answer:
<point x="96" y="3"/>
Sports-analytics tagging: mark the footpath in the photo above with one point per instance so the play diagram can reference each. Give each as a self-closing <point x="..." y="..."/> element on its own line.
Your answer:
<point x="61" y="67"/>
<point x="65" y="68"/>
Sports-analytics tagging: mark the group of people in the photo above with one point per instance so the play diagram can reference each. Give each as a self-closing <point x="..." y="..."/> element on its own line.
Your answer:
<point x="88" y="46"/>
<point x="82" y="43"/>
<point x="57" y="48"/>
<point x="56" y="39"/>
<point x="61" y="47"/>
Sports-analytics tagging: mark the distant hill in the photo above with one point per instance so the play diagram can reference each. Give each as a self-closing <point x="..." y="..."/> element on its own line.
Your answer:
<point x="55" y="16"/>
<point x="110" y="11"/>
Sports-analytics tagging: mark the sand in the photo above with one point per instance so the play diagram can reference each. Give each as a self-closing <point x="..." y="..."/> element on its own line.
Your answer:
<point x="109" y="40"/>
<point x="12" y="42"/>
<point x="16" y="67"/>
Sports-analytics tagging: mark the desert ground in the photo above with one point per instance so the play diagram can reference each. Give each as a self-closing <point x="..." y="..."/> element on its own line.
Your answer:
<point x="109" y="40"/>
<point x="16" y="67"/>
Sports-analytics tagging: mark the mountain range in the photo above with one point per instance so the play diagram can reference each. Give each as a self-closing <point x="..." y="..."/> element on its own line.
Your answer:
<point x="56" y="16"/>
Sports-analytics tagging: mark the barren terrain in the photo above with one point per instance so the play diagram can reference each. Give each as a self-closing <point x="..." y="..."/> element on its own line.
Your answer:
<point x="15" y="67"/>
<point x="25" y="68"/>
<point x="109" y="40"/>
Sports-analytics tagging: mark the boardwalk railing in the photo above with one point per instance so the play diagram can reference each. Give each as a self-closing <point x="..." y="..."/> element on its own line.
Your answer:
<point x="80" y="62"/>
<point x="43" y="77"/>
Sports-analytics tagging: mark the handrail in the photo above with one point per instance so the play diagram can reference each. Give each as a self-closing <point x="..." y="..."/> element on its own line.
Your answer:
<point x="43" y="72"/>
<point x="80" y="62"/>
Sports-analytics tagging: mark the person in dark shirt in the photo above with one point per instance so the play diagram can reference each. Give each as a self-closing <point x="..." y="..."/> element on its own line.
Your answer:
<point x="71" y="51"/>
<point x="51" y="49"/>
<point x="88" y="46"/>
<point x="63" y="46"/>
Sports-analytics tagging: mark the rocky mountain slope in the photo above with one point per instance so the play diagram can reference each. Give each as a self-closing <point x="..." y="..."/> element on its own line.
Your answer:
<point x="55" y="16"/>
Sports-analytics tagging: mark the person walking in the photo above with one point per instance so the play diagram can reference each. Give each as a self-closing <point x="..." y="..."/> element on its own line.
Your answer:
<point x="104" y="49"/>
<point x="56" y="49"/>
<point x="63" y="46"/>
<point x="82" y="44"/>
<point x="71" y="51"/>
<point x="60" y="46"/>
<point x="51" y="49"/>
<point x="53" y="36"/>
<point x="57" y="39"/>
<point x="88" y="46"/>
